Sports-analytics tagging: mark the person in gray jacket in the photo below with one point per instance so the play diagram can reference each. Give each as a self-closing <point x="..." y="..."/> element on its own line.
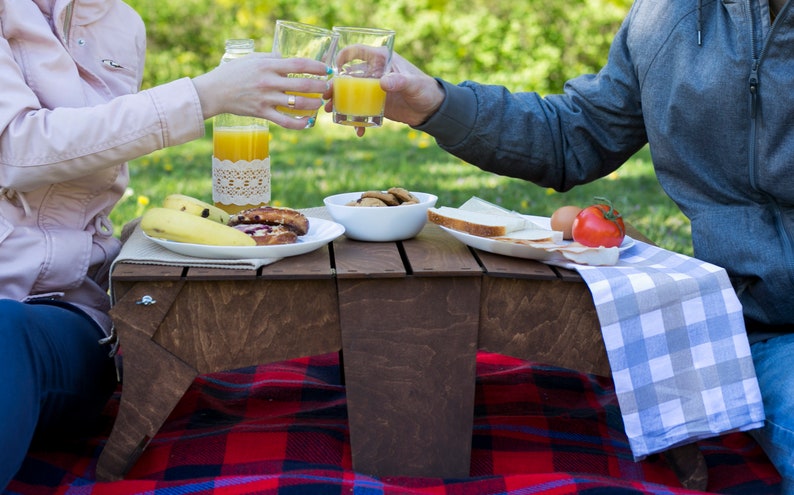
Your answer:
<point x="709" y="85"/>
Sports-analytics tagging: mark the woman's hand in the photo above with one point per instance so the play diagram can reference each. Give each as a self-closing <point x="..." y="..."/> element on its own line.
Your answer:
<point x="255" y="84"/>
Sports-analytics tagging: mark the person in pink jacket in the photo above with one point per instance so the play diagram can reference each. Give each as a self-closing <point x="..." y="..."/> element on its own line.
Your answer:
<point x="71" y="116"/>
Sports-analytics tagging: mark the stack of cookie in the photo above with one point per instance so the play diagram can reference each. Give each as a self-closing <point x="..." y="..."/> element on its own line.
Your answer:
<point x="394" y="196"/>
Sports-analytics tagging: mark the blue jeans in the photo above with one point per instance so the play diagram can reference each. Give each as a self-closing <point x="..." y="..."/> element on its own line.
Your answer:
<point x="54" y="377"/>
<point x="773" y="366"/>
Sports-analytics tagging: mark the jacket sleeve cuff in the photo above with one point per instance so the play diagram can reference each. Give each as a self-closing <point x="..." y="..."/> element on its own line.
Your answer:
<point x="179" y="110"/>
<point x="455" y="118"/>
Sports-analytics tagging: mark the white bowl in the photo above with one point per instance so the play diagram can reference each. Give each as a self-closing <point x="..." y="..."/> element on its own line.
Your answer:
<point x="379" y="223"/>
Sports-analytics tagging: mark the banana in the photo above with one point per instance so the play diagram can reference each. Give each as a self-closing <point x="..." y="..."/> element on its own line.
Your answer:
<point x="195" y="206"/>
<point x="176" y="225"/>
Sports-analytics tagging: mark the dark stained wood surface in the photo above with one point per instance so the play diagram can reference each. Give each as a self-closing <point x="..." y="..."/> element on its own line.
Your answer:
<point x="540" y="313"/>
<point x="202" y="320"/>
<point x="546" y="321"/>
<point x="408" y="317"/>
<point x="357" y="259"/>
<point x="409" y="347"/>
<point x="435" y="253"/>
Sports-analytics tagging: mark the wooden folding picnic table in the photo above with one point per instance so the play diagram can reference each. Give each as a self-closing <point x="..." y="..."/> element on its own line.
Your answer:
<point x="408" y="318"/>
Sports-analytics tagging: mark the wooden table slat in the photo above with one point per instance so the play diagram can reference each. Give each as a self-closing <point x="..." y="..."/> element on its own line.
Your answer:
<point x="313" y="265"/>
<point x="435" y="253"/>
<point x="497" y="265"/>
<point x="356" y="259"/>
<point x="567" y="275"/>
<point x="141" y="271"/>
<point x="202" y="273"/>
<point x="409" y="348"/>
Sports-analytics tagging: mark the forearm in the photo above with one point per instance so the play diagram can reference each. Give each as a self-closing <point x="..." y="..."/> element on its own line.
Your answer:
<point x="558" y="141"/>
<point x="496" y="130"/>
<point x="49" y="146"/>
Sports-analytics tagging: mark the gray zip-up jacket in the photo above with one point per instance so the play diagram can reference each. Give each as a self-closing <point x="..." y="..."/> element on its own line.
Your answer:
<point x="710" y="86"/>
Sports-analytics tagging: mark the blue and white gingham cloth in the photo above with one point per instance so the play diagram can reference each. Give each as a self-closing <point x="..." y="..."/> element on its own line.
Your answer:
<point x="677" y="346"/>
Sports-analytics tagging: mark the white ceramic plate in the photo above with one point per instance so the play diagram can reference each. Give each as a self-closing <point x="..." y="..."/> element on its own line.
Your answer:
<point x="321" y="232"/>
<point x="520" y="250"/>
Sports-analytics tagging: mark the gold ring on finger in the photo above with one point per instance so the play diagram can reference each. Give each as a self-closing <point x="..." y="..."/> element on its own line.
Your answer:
<point x="291" y="101"/>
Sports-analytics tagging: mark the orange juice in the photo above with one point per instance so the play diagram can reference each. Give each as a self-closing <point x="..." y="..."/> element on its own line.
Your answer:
<point x="358" y="96"/>
<point x="241" y="167"/>
<point x="241" y="143"/>
<point x="296" y="112"/>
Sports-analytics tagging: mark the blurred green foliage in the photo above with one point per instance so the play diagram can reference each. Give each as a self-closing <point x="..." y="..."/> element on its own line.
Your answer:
<point x="522" y="44"/>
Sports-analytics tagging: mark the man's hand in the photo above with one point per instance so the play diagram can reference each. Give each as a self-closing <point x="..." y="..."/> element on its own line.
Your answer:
<point x="412" y="96"/>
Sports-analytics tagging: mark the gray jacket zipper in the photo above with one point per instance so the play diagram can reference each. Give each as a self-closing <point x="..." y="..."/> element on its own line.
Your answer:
<point x="788" y="247"/>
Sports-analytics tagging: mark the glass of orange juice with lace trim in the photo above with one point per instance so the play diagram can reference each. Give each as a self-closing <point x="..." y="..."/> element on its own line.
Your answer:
<point x="362" y="57"/>
<point x="241" y="167"/>
<point x="240" y="151"/>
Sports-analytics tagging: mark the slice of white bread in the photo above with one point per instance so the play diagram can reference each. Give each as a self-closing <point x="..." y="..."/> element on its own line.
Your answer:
<point x="477" y="217"/>
<point x="530" y="229"/>
<point x="474" y="222"/>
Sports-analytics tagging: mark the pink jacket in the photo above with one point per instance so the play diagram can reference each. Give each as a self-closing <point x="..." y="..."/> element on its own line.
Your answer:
<point x="70" y="118"/>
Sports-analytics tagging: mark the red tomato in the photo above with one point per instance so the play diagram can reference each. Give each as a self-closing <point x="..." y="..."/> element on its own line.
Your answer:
<point x="599" y="225"/>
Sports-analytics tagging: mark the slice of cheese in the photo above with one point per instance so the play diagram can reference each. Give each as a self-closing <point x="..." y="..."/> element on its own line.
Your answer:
<point x="532" y="234"/>
<point x="600" y="256"/>
<point x="481" y="206"/>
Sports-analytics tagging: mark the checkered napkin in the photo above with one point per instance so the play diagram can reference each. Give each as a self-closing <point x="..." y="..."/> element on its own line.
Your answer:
<point x="676" y="342"/>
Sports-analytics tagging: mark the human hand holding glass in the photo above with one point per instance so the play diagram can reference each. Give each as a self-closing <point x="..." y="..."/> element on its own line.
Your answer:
<point x="299" y="40"/>
<point x="362" y="57"/>
<point x="412" y="96"/>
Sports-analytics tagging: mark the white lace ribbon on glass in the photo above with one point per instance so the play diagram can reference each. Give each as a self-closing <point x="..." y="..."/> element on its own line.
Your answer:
<point x="242" y="182"/>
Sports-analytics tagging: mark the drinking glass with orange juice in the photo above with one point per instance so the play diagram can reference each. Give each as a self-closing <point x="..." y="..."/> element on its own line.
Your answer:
<point x="362" y="57"/>
<point x="240" y="166"/>
<point x="240" y="152"/>
<point x="296" y="39"/>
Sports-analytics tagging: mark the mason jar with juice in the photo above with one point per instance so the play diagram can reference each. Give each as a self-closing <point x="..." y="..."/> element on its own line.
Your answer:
<point x="240" y="152"/>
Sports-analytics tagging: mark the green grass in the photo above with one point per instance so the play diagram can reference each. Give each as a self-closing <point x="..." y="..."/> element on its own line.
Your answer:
<point x="309" y="165"/>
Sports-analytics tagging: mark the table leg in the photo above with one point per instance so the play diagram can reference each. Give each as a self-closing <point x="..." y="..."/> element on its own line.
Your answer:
<point x="154" y="381"/>
<point x="410" y="367"/>
<point x="689" y="465"/>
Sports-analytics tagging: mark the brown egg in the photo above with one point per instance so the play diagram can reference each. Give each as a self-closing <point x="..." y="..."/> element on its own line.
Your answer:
<point x="562" y="220"/>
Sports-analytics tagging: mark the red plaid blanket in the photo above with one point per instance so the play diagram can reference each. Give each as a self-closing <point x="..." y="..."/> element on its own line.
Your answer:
<point x="282" y="429"/>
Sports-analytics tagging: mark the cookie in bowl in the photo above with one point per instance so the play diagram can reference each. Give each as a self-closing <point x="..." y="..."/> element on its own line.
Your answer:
<point x="395" y="214"/>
